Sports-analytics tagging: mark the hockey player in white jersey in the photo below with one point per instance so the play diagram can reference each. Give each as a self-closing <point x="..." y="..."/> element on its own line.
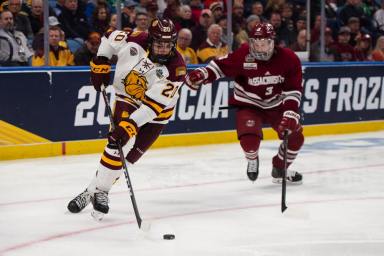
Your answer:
<point x="147" y="79"/>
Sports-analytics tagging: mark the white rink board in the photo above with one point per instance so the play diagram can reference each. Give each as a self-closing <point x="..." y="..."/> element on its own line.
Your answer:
<point x="202" y="195"/>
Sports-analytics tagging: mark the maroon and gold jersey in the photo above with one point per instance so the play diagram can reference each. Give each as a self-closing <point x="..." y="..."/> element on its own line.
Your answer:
<point x="264" y="84"/>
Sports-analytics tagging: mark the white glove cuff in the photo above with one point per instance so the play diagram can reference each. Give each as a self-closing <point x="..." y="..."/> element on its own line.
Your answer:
<point x="292" y="114"/>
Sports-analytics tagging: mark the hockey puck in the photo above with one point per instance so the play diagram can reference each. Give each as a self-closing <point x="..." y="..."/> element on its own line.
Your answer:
<point x="169" y="236"/>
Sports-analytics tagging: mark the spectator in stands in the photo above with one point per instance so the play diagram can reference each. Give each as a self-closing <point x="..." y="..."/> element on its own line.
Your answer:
<point x="186" y="20"/>
<point x="152" y="10"/>
<point x="363" y="48"/>
<point x="238" y="20"/>
<point x="58" y="55"/>
<point x="142" y="6"/>
<point x="199" y="32"/>
<point x="21" y="19"/>
<point x="222" y="22"/>
<point x="217" y="10"/>
<point x="354" y="25"/>
<point x="243" y="36"/>
<point x="353" y="8"/>
<point x="113" y="23"/>
<point x="258" y="9"/>
<point x="100" y="19"/>
<point x="73" y="21"/>
<point x="212" y="47"/>
<point x="301" y="42"/>
<point x="172" y="12"/>
<point x="91" y="5"/>
<point x="36" y="18"/>
<point x="141" y="22"/>
<point x="84" y="55"/>
<point x="379" y="18"/>
<point x="342" y="49"/>
<point x="128" y="15"/>
<point x="13" y="44"/>
<point x="196" y="7"/>
<point x="58" y="8"/>
<point x="287" y="12"/>
<point x="273" y="6"/>
<point x="184" y="39"/>
<point x="286" y="35"/>
<point x="378" y="52"/>
<point x="329" y="54"/>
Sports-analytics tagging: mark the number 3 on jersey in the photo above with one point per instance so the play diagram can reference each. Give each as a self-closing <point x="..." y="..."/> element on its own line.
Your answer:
<point x="268" y="90"/>
<point x="170" y="91"/>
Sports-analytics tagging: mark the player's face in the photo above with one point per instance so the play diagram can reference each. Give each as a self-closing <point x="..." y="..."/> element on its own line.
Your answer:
<point x="261" y="49"/>
<point x="162" y="48"/>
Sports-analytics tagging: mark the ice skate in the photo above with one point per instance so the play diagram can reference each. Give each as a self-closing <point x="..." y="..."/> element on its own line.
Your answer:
<point x="77" y="204"/>
<point x="100" y="205"/>
<point x="293" y="177"/>
<point x="253" y="169"/>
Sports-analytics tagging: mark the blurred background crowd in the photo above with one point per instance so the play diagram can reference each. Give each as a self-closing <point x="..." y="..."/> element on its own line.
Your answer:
<point x="354" y="28"/>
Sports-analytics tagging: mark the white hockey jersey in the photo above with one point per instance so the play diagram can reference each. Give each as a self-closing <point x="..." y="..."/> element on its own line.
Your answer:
<point x="138" y="80"/>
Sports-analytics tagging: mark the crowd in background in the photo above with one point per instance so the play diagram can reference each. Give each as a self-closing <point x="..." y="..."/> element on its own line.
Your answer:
<point x="354" y="32"/>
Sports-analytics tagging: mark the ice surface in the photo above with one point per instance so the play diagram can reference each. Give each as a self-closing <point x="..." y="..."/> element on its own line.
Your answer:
<point x="201" y="194"/>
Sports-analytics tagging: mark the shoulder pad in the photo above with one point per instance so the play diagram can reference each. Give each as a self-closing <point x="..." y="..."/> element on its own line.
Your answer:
<point x="109" y="32"/>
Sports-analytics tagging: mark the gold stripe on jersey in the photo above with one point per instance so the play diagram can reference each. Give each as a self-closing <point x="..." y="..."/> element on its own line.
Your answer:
<point x="154" y="105"/>
<point x="112" y="164"/>
<point x="165" y="115"/>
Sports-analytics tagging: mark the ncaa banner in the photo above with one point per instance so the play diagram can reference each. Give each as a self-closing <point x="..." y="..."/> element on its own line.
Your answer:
<point x="59" y="104"/>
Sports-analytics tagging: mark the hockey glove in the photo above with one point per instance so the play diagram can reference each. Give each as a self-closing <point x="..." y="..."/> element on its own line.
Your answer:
<point x="195" y="78"/>
<point x="289" y="122"/>
<point x="100" y="72"/>
<point x="123" y="132"/>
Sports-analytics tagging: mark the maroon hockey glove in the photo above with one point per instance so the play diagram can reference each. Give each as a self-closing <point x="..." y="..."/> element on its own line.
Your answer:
<point x="290" y="122"/>
<point x="123" y="132"/>
<point x="100" y="72"/>
<point x="195" y="78"/>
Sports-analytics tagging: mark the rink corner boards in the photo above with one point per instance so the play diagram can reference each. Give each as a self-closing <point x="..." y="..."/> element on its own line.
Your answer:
<point x="49" y="149"/>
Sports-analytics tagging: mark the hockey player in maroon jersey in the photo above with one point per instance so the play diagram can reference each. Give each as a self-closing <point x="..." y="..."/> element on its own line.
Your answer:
<point x="148" y="74"/>
<point x="268" y="88"/>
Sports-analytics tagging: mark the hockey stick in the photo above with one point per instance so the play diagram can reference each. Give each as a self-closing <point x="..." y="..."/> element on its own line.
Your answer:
<point x="284" y="183"/>
<point x="127" y="179"/>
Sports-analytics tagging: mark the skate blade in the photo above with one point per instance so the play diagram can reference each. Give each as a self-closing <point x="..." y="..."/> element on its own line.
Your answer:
<point x="280" y="180"/>
<point x="98" y="216"/>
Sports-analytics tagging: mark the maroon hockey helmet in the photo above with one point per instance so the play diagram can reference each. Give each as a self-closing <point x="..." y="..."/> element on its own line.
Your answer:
<point x="261" y="41"/>
<point x="162" y="31"/>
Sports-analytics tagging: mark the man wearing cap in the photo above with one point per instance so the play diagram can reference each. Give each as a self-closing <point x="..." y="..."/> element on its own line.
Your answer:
<point x="343" y="51"/>
<point x="128" y="15"/>
<point x="199" y="32"/>
<point x="217" y="10"/>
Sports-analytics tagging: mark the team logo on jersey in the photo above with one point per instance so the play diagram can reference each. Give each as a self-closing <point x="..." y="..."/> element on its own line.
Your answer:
<point x="250" y="123"/>
<point x="159" y="73"/>
<point x="249" y="58"/>
<point x="133" y="51"/>
<point x="135" y="84"/>
<point x="250" y="65"/>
